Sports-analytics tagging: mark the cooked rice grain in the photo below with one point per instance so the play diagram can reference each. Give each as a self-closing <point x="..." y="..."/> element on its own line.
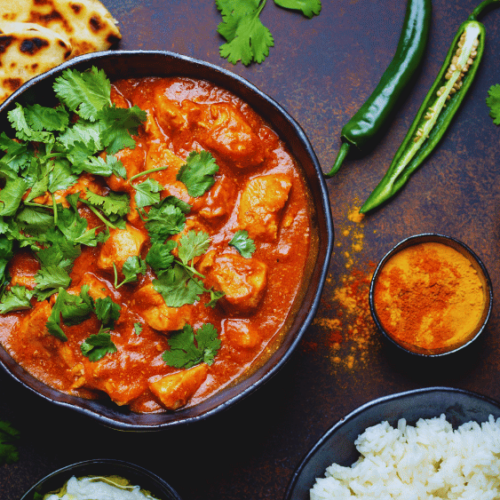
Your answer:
<point x="428" y="461"/>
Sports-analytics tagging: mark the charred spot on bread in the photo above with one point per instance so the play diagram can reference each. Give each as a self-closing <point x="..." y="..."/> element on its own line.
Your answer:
<point x="76" y="7"/>
<point x="95" y="24"/>
<point x="12" y="83"/>
<point x="5" y="41"/>
<point x="112" y="39"/>
<point x="33" y="45"/>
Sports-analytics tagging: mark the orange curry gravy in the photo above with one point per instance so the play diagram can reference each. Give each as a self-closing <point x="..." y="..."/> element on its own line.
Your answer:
<point x="258" y="188"/>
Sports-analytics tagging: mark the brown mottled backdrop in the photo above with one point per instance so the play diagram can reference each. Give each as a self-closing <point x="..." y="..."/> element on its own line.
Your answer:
<point x="321" y="71"/>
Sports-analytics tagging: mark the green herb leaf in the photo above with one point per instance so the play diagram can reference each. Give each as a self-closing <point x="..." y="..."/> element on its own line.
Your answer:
<point x="132" y="267"/>
<point x="493" y="101"/>
<point x="137" y="328"/>
<point x="86" y="93"/>
<point x="52" y="277"/>
<point x="111" y="204"/>
<point x="247" y="38"/>
<point x="193" y="245"/>
<point x="9" y="438"/>
<point x="11" y="196"/>
<point x="243" y="244"/>
<point x="96" y="346"/>
<point x="177" y="287"/>
<point x="197" y="174"/>
<point x="44" y="118"/>
<point x="147" y="193"/>
<point x="164" y="220"/>
<point x="16" y="299"/>
<point x="309" y="8"/>
<point x="160" y="255"/>
<point x="107" y="311"/>
<point x="188" y="349"/>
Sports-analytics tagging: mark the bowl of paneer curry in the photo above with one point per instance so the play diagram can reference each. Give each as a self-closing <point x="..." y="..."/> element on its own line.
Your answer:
<point x="165" y="234"/>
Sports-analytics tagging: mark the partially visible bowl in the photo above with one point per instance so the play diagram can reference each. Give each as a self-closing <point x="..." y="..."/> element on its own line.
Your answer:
<point x="337" y="444"/>
<point x="104" y="467"/>
<point x="138" y="64"/>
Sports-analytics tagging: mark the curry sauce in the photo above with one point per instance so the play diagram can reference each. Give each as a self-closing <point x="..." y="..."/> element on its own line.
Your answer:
<point x="258" y="188"/>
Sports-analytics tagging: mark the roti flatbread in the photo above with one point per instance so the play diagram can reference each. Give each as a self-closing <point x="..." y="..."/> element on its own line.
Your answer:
<point x="87" y="24"/>
<point x="27" y="50"/>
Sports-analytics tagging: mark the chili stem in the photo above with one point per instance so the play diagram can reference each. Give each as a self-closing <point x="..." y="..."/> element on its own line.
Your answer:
<point x="481" y="8"/>
<point x="340" y="159"/>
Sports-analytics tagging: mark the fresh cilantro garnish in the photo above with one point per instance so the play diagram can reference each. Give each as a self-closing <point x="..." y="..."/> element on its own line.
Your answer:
<point x="188" y="349"/>
<point x="96" y="346"/>
<point x="73" y="309"/>
<point x="132" y="267"/>
<point x="160" y="255"/>
<point x="49" y="279"/>
<point x="248" y="40"/>
<point x="178" y="287"/>
<point x="9" y="438"/>
<point x="191" y="245"/>
<point x="16" y="299"/>
<point x="137" y="328"/>
<point x="243" y="244"/>
<point x="147" y="193"/>
<point x="197" y="174"/>
<point x="493" y="101"/>
<point x="107" y="311"/>
<point x="164" y="219"/>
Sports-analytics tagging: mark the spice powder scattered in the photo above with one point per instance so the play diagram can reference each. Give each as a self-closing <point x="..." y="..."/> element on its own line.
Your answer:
<point x="429" y="297"/>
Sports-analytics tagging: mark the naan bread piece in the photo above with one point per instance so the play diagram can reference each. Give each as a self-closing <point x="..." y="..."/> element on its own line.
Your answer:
<point x="86" y="23"/>
<point x="26" y="50"/>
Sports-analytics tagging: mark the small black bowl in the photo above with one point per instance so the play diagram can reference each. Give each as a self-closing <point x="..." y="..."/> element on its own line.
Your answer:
<point x="476" y="264"/>
<point x="137" y="64"/>
<point x="337" y="444"/>
<point x="104" y="467"/>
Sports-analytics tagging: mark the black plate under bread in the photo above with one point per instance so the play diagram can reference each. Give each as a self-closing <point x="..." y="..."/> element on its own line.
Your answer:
<point x="337" y="445"/>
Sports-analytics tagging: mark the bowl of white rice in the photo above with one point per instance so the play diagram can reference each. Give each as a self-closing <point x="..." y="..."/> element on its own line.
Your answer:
<point x="424" y="444"/>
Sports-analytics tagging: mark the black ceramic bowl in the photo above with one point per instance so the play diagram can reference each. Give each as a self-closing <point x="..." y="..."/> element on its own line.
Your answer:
<point x="337" y="445"/>
<point x="136" y="64"/>
<point x="478" y="266"/>
<point x="104" y="467"/>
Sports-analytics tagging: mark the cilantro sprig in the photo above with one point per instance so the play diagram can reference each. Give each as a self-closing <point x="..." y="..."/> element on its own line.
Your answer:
<point x="247" y="39"/>
<point x="493" y="101"/>
<point x="188" y="349"/>
<point x="242" y="243"/>
<point x="197" y="174"/>
<point x="97" y="345"/>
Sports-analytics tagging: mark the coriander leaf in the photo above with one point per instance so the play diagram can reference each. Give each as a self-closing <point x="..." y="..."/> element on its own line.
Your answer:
<point x="73" y="309"/>
<point x="96" y="346"/>
<point x="107" y="311"/>
<point x="309" y="8"/>
<point x="111" y="204"/>
<point x="61" y="176"/>
<point x="24" y="132"/>
<point x="243" y="244"/>
<point x="8" y="441"/>
<point x="177" y="287"/>
<point x="86" y="93"/>
<point x="147" y="193"/>
<point x="137" y="328"/>
<point x="16" y="299"/>
<point x="214" y="297"/>
<point x="160" y="255"/>
<point x="193" y="245"/>
<point x="493" y="101"/>
<point x="52" y="277"/>
<point x="17" y="154"/>
<point x="248" y="39"/>
<point x="183" y="206"/>
<point x="84" y="131"/>
<point x="131" y="268"/>
<point x="164" y="220"/>
<point x="44" y="118"/>
<point x="197" y="174"/>
<point x="11" y="196"/>
<point x="185" y="353"/>
<point x="6" y="253"/>
<point x="119" y="124"/>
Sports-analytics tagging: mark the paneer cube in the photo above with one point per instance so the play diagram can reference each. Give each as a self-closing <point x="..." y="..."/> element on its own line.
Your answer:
<point x="241" y="335"/>
<point x="176" y="390"/>
<point x="261" y="203"/>
<point x="121" y="244"/>
<point x="157" y="314"/>
<point x="242" y="280"/>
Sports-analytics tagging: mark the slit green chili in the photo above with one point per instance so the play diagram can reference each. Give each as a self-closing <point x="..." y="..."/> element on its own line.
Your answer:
<point x="365" y="127"/>
<point x="438" y="109"/>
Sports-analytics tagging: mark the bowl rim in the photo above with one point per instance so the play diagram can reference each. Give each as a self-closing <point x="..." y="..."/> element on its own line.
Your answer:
<point x="445" y="240"/>
<point x="370" y="404"/>
<point x="109" y="462"/>
<point x="325" y="241"/>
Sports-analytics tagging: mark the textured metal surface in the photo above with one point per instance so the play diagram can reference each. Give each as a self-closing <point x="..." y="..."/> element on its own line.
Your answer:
<point x="321" y="71"/>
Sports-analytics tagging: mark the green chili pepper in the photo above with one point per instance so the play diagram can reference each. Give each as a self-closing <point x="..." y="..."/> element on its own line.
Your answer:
<point x="365" y="127"/>
<point x="438" y="109"/>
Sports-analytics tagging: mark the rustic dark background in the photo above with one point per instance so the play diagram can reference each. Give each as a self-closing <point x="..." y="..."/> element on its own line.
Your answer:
<point x="321" y="71"/>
